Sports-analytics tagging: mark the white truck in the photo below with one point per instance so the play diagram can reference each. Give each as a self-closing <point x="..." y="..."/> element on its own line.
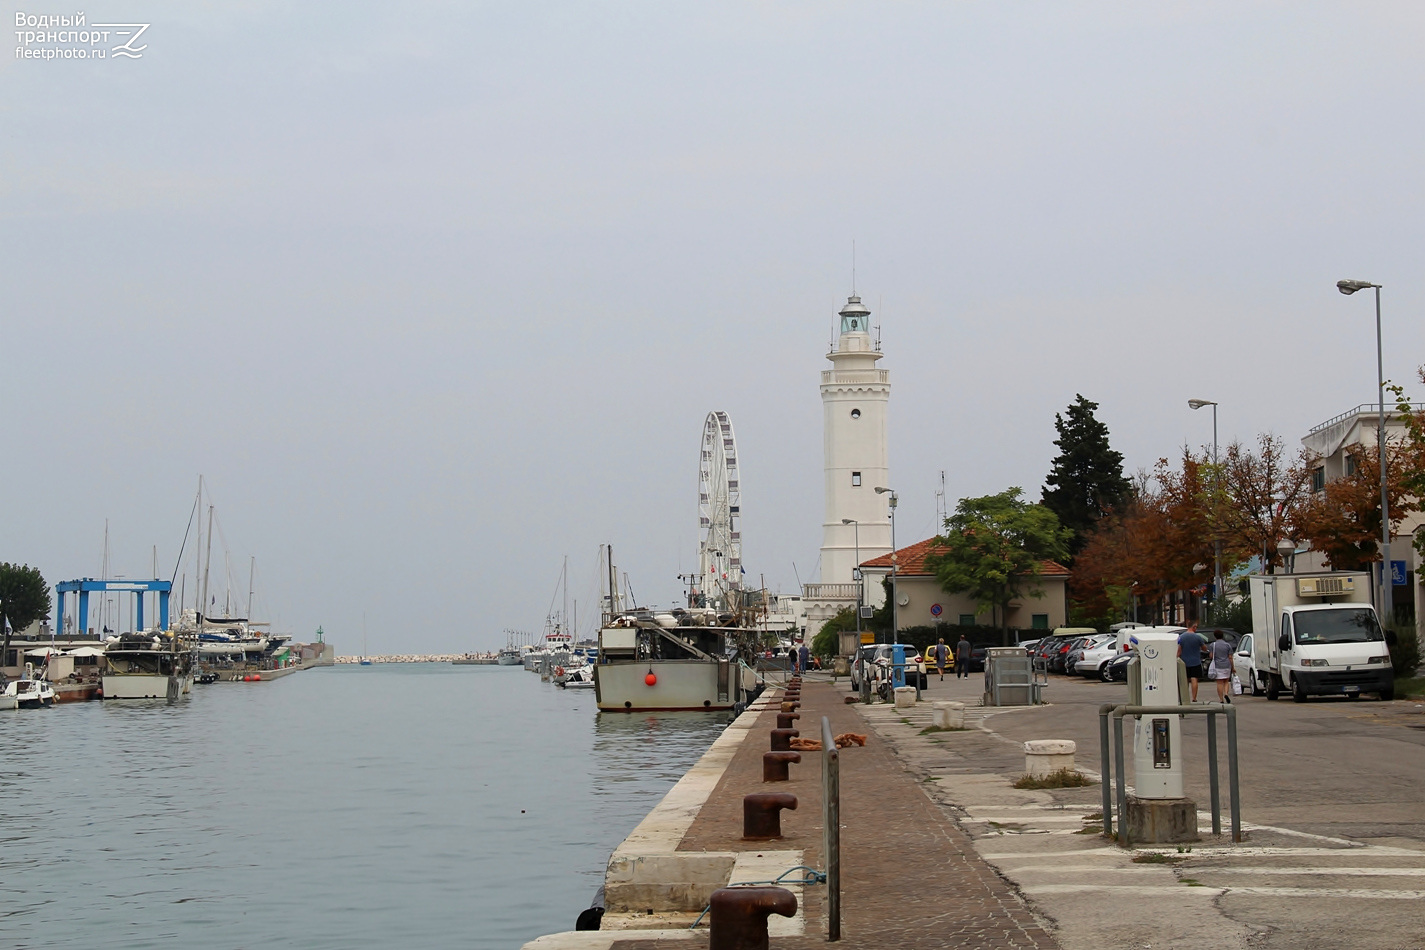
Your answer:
<point x="1318" y="635"/>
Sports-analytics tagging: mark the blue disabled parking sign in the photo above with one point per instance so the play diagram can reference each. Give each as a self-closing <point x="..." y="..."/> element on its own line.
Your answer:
<point x="1397" y="573"/>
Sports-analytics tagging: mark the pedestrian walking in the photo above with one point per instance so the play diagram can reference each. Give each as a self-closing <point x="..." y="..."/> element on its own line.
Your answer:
<point x="942" y="653"/>
<point x="1220" y="668"/>
<point x="803" y="657"/>
<point x="1191" y="645"/>
<point x="962" y="657"/>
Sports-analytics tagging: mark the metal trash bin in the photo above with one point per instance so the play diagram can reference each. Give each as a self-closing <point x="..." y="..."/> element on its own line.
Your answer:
<point x="1010" y="678"/>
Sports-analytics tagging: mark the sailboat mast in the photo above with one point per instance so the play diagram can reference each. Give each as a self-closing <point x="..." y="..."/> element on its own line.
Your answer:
<point x="251" y="572"/>
<point x="198" y="548"/>
<point x="203" y="610"/>
<point x="564" y="587"/>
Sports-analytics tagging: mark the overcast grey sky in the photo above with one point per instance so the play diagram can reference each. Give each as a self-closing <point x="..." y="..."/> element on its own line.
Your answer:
<point x="436" y="294"/>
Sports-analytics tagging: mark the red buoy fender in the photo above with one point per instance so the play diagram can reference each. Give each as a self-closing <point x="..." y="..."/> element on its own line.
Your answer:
<point x="559" y="670"/>
<point x="651" y="678"/>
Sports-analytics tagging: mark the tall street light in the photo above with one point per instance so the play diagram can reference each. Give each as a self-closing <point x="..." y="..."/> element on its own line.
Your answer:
<point x="856" y="575"/>
<point x="1387" y="594"/>
<point x="894" y="500"/>
<point x="1216" y="491"/>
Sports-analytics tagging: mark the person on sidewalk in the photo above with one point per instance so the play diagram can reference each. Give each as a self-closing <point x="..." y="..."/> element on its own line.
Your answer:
<point x="803" y="657"/>
<point x="1191" y="645"/>
<point x="962" y="657"/>
<point x="1220" y="668"/>
<point x="942" y="653"/>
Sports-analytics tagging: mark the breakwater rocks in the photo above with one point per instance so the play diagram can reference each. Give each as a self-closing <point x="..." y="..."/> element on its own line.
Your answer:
<point x="420" y="658"/>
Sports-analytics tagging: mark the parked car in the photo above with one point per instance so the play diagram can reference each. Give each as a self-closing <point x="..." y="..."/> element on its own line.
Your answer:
<point x="1029" y="646"/>
<point x="1095" y="655"/>
<point x="1076" y="650"/>
<point x="1117" y="669"/>
<point x="1058" y="658"/>
<point x="1244" y="664"/>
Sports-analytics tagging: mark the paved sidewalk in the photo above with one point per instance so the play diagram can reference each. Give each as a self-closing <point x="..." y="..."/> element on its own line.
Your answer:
<point x="910" y="877"/>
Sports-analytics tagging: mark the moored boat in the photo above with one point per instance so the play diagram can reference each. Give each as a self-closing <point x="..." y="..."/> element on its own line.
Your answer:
<point x="647" y="665"/>
<point x="27" y="693"/>
<point x="147" y="666"/>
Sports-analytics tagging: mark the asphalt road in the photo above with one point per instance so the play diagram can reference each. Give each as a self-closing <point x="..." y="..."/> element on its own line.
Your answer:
<point x="1333" y="801"/>
<point x="1337" y="767"/>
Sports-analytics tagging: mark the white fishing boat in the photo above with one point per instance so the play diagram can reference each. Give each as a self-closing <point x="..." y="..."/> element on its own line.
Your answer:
<point x="509" y="656"/>
<point x="28" y="692"/>
<point x="647" y="665"/>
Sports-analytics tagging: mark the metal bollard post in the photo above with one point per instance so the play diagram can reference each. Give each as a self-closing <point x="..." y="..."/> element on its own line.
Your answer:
<point x="831" y="827"/>
<point x="1212" y="773"/>
<point x="1104" y="768"/>
<point x="738" y="916"/>
<point x="1232" y="787"/>
<point x="762" y="814"/>
<point x="785" y="720"/>
<point x="774" y="765"/>
<point x="782" y="739"/>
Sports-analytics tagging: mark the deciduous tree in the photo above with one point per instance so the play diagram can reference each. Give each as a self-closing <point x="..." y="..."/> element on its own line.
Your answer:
<point x="24" y="598"/>
<point x="1260" y="493"/>
<point x="994" y="548"/>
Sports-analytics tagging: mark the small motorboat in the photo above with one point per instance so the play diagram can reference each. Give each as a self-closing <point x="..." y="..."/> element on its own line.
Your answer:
<point x="28" y="694"/>
<point x="581" y="678"/>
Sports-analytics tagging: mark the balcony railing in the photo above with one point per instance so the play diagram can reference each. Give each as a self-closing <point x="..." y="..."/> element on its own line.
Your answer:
<point x="881" y="376"/>
<point x="829" y="591"/>
<point x="1365" y="409"/>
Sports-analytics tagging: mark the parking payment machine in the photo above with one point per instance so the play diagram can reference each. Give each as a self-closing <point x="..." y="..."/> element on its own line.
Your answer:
<point x="898" y="655"/>
<point x="1154" y="680"/>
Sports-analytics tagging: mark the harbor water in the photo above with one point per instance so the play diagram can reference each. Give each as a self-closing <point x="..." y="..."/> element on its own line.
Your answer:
<point x="418" y="805"/>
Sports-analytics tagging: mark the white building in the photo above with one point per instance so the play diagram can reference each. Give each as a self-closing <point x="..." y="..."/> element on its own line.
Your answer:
<point x="1333" y="442"/>
<point x="854" y="398"/>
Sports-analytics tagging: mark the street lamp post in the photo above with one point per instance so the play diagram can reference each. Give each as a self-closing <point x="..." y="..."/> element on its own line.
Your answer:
<point x="856" y="575"/>
<point x="1216" y="490"/>
<point x="1387" y="594"/>
<point x="894" y="499"/>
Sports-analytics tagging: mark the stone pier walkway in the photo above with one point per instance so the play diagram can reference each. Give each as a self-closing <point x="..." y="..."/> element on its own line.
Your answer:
<point x="910" y="877"/>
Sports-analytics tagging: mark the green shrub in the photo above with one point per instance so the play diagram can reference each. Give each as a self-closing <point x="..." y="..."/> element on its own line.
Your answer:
<point x="1404" y="650"/>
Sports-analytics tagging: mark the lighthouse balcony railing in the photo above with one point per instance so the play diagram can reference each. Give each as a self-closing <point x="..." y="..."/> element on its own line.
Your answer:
<point x="882" y="376"/>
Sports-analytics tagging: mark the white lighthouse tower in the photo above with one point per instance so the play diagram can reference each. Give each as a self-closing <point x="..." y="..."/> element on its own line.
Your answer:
<point x="854" y="397"/>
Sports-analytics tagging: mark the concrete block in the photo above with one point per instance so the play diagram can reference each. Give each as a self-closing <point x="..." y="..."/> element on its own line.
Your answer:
<point x="1161" y="820"/>
<point x="905" y="697"/>
<point x="1045" y="756"/>
<point x="948" y="715"/>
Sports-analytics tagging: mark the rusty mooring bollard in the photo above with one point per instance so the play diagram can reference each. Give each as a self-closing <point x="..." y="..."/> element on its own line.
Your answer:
<point x="785" y="720"/>
<point x="789" y="707"/>
<point x="738" y="918"/>
<point x="762" y="814"/>
<point x="774" y="765"/>
<point x="782" y="739"/>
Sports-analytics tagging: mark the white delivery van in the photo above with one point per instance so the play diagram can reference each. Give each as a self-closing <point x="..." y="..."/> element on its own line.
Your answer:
<point x="1318" y="635"/>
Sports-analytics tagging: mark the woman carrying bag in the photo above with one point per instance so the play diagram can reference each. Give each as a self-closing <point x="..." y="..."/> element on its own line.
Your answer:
<point x="1220" y="668"/>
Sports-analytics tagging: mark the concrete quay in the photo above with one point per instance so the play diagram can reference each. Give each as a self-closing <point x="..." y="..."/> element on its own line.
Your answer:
<point x="939" y="849"/>
<point x="910" y="875"/>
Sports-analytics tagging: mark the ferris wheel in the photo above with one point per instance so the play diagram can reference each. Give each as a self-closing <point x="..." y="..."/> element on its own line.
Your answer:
<point x="720" y="547"/>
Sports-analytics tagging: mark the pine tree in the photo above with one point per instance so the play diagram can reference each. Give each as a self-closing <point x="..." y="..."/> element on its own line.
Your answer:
<point x="1087" y="477"/>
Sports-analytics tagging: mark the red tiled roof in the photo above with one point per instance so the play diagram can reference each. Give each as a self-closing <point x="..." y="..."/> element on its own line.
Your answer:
<point x="911" y="561"/>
